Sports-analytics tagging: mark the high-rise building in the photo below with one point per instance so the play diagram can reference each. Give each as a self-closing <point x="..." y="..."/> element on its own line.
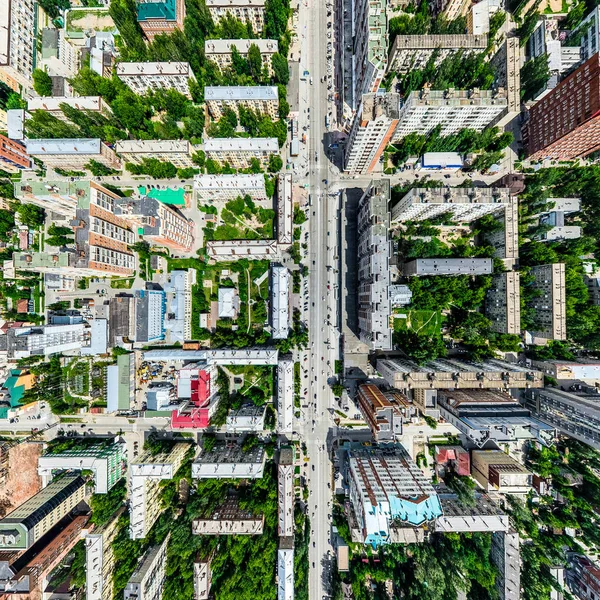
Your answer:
<point x="73" y="154"/>
<point x="177" y="152"/>
<point x="202" y="578"/>
<point x="148" y="579"/>
<point x="229" y="250"/>
<point x="574" y="415"/>
<point x="587" y="35"/>
<point x="229" y="519"/>
<point x="374" y="247"/>
<point x="13" y="157"/>
<point x="143" y="77"/>
<point x="107" y="462"/>
<point x="411" y="52"/>
<point x="370" y="51"/>
<point x="160" y="16"/>
<point x="260" y="98"/>
<point x="17" y="43"/>
<point x="238" y="152"/>
<point x="221" y="51"/>
<point x="222" y="188"/>
<point x="495" y="470"/>
<point x="386" y="486"/>
<point x="42" y="340"/>
<point x="247" y="11"/>
<point x="583" y="578"/>
<point x="565" y="124"/>
<point x="506" y="555"/>
<point x="549" y="303"/>
<point x="25" y="525"/>
<point x="371" y="132"/>
<point x="450" y="109"/>
<point x="450" y="373"/>
<point x="145" y="475"/>
<point x="383" y="411"/>
<point x="503" y="303"/>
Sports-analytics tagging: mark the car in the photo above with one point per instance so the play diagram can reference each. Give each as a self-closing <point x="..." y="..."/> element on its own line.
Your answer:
<point x="447" y="176"/>
<point x="311" y="81"/>
<point x="313" y="467"/>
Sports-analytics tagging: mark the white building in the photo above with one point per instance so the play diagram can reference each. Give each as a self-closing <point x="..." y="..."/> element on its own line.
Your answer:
<point x="52" y="105"/>
<point x="238" y="152"/>
<point x="452" y="109"/>
<point x="285" y="209"/>
<point x="148" y="579"/>
<point x="220" y="51"/>
<point x="229" y="462"/>
<point x="251" y="249"/>
<point x="247" y="11"/>
<point x="262" y="99"/>
<point x="248" y="417"/>
<point x="285" y="493"/>
<point x="285" y="569"/>
<point x="285" y="396"/>
<point x="245" y="356"/>
<point x="202" y="579"/>
<point x="17" y="42"/>
<point x="371" y="132"/>
<point x="143" y="77"/>
<point x="280" y="302"/>
<point x="222" y="188"/>
<point x="177" y="152"/>
<point x="41" y="340"/>
<point x="72" y="154"/>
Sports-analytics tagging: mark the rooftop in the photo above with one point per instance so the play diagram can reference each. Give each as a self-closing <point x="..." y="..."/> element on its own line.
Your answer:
<point x="216" y="182"/>
<point x="241" y="92"/>
<point x="63" y="146"/>
<point x="241" y="144"/>
<point x="130" y="146"/>
<point x="242" y="46"/>
<point x="165" y="9"/>
<point x="423" y="42"/>
<point x="136" y="69"/>
<point x="52" y="104"/>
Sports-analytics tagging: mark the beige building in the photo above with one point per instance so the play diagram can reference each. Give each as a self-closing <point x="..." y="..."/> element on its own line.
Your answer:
<point x="222" y="188"/>
<point x="550" y="303"/>
<point x="52" y="105"/>
<point x="503" y="303"/>
<point x="262" y="99"/>
<point x="17" y="42"/>
<point x="72" y="154"/>
<point x="238" y="152"/>
<point x="143" y="77"/>
<point x="177" y="152"/>
<point x="220" y="51"/>
<point x="247" y="11"/>
<point x="496" y="471"/>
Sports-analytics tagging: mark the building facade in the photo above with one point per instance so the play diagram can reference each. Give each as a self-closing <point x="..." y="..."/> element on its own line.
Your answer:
<point x="177" y="152"/>
<point x="143" y="77"/>
<point x="549" y="302"/>
<point x="17" y="43"/>
<point x="280" y="302"/>
<point x="41" y="340"/>
<point x="583" y="578"/>
<point x="451" y="109"/>
<point x="383" y="412"/>
<point x="73" y="154"/>
<point x="495" y="470"/>
<point x="238" y="152"/>
<point x="229" y="462"/>
<point x="261" y="99"/>
<point x="148" y="579"/>
<point x="13" y="157"/>
<point x="162" y="16"/>
<point x="503" y="303"/>
<point x="247" y="11"/>
<point x="220" y="51"/>
<point x="52" y="105"/>
<point x="371" y="132"/>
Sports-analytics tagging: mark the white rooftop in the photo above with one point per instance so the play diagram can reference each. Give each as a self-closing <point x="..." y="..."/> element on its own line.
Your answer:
<point x="63" y="146"/>
<point x="232" y="3"/>
<point x="175" y="146"/>
<point x="4" y="29"/>
<point x="216" y="182"/>
<point x="242" y="46"/>
<point x="135" y="69"/>
<point x="280" y="302"/>
<point x="15" y="120"/>
<point x="442" y="159"/>
<point x="241" y="144"/>
<point x="53" y="103"/>
<point x="241" y="92"/>
<point x="243" y="248"/>
<point x="228" y="303"/>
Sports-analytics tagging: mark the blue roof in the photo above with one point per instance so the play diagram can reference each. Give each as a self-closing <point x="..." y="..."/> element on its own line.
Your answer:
<point x="157" y="10"/>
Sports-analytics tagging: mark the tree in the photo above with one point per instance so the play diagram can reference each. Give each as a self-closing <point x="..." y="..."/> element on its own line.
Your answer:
<point x="31" y="215"/>
<point x="530" y="20"/>
<point x="42" y="82"/>
<point x="7" y="223"/>
<point x="98" y="169"/>
<point x="255" y="64"/>
<point x="15" y="101"/>
<point x="535" y="74"/>
<point x="281" y="70"/>
<point x="277" y="13"/>
<point x="275" y="163"/>
<point x="53" y="8"/>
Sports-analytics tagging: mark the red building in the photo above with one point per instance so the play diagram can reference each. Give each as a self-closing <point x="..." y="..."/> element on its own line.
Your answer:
<point x="565" y="124"/>
<point x="13" y="156"/>
<point x="195" y="386"/>
<point x="454" y="458"/>
<point x="583" y="578"/>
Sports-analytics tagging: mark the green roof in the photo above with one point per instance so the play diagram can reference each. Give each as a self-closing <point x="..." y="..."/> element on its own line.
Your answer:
<point x="168" y="196"/>
<point x="157" y="10"/>
<point x="16" y="392"/>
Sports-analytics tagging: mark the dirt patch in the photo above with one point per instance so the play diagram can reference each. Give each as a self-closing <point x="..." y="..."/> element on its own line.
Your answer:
<point x="82" y="21"/>
<point x="22" y="481"/>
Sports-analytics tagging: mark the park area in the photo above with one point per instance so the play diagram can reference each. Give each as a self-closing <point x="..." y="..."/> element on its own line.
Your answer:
<point x="422" y="322"/>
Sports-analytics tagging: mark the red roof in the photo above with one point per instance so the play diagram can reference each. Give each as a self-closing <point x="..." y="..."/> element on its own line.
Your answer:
<point x="201" y="389"/>
<point x="195" y="419"/>
<point x="22" y="305"/>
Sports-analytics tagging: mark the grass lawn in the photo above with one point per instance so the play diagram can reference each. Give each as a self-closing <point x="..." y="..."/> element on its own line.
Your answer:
<point x="425" y="322"/>
<point x="121" y="284"/>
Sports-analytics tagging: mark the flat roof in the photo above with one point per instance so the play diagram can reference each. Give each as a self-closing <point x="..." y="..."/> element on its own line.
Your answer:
<point x="15" y="119"/>
<point x="445" y="159"/>
<point x="4" y="31"/>
<point x="135" y="69"/>
<point x="232" y="3"/>
<point x="241" y="144"/>
<point x="63" y="146"/>
<point x="241" y="92"/>
<point x="167" y="10"/>
<point x="175" y="146"/>
<point x="216" y="182"/>
<point x="242" y="46"/>
<point x="53" y="103"/>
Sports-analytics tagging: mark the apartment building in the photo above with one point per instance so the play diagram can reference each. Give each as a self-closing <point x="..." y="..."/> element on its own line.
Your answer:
<point x="583" y="577"/>
<point x="451" y="9"/>
<point x="222" y="188"/>
<point x="13" y="157"/>
<point x="41" y="340"/>
<point x="26" y="524"/>
<point x="451" y="109"/>
<point x="413" y="51"/>
<point x="220" y="51"/>
<point x="587" y="35"/>
<point x="506" y="240"/>
<point x="503" y="303"/>
<point x="285" y="396"/>
<point x="496" y="471"/>
<point x="196" y="386"/>
<point x="177" y="152"/>
<point x="148" y="579"/>
<point x="100" y="559"/>
<point x="506" y="555"/>
<point x="72" y="154"/>
<point x="229" y="519"/>
<point x="285" y="209"/>
<point x="52" y="105"/>
<point x="383" y="412"/>
<point x="107" y="462"/>
<point x="420" y="267"/>
<point x="143" y="77"/>
<point x="507" y="63"/>
<point x="574" y="415"/>
<point x="554" y="219"/>
<point x="248" y="11"/>
<point x="549" y="303"/>
<point x="285" y="568"/>
<point x="239" y="152"/>
<point x="373" y="251"/>
<point x="17" y="43"/>
<point x="227" y="461"/>
<point x="465" y="205"/>
<point x="202" y="578"/>
<point x="260" y="98"/>
<point x="162" y="16"/>
<point x="386" y="486"/>
<point x="565" y="124"/>
<point x="280" y="302"/>
<point x="583" y="370"/>
<point x="447" y="373"/>
<point x="145" y="475"/>
<point x="370" y="46"/>
<point x="371" y="132"/>
<point x="285" y="492"/>
<point x="159" y="223"/>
